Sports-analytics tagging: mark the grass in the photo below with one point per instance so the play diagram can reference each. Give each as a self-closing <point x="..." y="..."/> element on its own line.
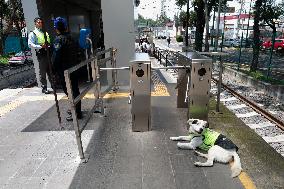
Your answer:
<point x="262" y="77"/>
<point x="4" y="59"/>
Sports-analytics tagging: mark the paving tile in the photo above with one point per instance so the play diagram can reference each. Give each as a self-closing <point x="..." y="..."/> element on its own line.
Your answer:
<point x="191" y="180"/>
<point x="29" y="168"/>
<point x="159" y="179"/>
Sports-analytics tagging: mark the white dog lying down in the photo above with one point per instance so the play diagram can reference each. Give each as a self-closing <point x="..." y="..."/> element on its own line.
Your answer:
<point x="219" y="148"/>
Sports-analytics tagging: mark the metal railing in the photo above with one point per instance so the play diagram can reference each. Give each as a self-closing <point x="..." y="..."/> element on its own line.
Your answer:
<point x="95" y="83"/>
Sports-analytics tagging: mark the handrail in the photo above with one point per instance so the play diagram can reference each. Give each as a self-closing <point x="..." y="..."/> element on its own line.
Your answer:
<point x="97" y="94"/>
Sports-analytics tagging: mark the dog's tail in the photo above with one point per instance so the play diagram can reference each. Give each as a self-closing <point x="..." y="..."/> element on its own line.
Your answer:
<point x="236" y="167"/>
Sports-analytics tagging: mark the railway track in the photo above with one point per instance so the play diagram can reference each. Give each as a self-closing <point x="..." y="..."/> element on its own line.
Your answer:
<point x="278" y="122"/>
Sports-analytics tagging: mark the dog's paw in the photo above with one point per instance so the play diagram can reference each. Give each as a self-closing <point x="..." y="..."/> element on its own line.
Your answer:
<point x="173" y="138"/>
<point x="197" y="164"/>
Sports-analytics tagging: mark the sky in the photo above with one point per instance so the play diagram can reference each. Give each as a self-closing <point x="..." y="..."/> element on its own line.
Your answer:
<point x="152" y="8"/>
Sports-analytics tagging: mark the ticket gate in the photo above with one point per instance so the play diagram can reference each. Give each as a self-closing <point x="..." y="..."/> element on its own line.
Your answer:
<point x="140" y="91"/>
<point x="194" y="89"/>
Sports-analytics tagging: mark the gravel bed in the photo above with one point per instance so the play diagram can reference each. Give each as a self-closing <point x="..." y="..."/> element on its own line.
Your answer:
<point x="269" y="131"/>
<point x="254" y="119"/>
<point x="278" y="146"/>
<point x="242" y="110"/>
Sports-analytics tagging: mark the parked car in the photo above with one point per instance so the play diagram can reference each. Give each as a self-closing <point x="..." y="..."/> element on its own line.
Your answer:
<point x="230" y="43"/>
<point x="278" y="44"/>
<point x="21" y="58"/>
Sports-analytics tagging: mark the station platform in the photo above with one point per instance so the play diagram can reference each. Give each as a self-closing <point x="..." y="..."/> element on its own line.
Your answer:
<point x="36" y="153"/>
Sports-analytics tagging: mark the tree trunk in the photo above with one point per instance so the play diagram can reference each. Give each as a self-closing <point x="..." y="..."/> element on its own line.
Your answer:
<point x="200" y="23"/>
<point x="207" y="14"/>
<point x="256" y="34"/>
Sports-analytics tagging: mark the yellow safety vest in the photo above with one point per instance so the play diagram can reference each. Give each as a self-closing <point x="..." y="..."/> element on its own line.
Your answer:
<point x="40" y="37"/>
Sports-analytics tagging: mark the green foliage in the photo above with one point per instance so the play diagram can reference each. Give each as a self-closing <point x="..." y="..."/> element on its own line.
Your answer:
<point x="179" y="38"/>
<point x="257" y="75"/>
<point x="270" y="12"/>
<point x="192" y="19"/>
<point x="4" y="59"/>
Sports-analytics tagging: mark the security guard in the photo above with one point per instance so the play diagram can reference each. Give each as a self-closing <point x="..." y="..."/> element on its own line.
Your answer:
<point x="36" y="40"/>
<point x="64" y="56"/>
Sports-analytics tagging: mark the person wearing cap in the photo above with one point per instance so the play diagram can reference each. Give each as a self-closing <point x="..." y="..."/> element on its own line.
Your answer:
<point x="36" y="40"/>
<point x="64" y="56"/>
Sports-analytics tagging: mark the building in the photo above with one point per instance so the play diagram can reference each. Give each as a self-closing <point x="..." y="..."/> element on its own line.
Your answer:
<point x="110" y="26"/>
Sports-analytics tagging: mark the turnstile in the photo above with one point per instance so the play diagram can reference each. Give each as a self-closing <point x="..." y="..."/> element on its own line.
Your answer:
<point x="140" y="91"/>
<point x="197" y="81"/>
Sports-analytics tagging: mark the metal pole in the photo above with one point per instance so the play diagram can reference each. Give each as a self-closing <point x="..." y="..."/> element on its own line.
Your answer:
<point x="271" y="52"/>
<point x="218" y="26"/>
<point x="219" y="85"/>
<point x="50" y="72"/>
<point x="240" y="52"/>
<point x="248" y="24"/>
<point x="186" y="26"/>
<point x="223" y="35"/>
<point x="213" y="27"/>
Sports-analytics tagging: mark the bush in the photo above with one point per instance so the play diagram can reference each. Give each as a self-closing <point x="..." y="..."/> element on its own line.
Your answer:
<point x="179" y="38"/>
<point x="4" y="59"/>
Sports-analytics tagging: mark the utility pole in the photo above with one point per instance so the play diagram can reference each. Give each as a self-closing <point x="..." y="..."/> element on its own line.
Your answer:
<point x="218" y="26"/>
<point x="207" y="26"/>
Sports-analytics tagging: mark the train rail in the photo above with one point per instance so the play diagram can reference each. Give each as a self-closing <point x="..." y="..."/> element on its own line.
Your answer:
<point x="278" y="122"/>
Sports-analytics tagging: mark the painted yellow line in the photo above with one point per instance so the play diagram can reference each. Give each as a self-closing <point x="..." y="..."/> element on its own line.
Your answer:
<point x="245" y="180"/>
<point x="9" y="107"/>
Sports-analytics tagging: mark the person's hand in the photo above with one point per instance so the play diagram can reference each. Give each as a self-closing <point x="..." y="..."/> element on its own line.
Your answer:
<point x="44" y="46"/>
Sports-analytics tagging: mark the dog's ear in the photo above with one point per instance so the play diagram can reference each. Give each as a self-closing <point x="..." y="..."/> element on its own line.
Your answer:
<point x="194" y="121"/>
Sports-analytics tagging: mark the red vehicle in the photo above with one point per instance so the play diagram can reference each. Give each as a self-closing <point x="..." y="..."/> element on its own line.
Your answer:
<point x="21" y="58"/>
<point x="278" y="45"/>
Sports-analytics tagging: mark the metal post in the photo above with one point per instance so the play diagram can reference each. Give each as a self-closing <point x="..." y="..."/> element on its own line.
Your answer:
<point x="219" y="84"/>
<point x="271" y="52"/>
<point x="186" y="26"/>
<point x="88" y="70"/>
<point x="213" y="26"/>
<point x="240" y="52"/>
<point x="223" y="35"/>
<point x="74" y="114"/>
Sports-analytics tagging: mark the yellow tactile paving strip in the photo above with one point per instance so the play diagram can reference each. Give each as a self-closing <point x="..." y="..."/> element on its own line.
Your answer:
<point x="160" y="88"/>
<point x="10" y="106"/>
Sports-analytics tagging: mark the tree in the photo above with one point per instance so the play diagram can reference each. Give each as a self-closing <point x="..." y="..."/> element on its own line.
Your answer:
<point x="12" y="13"/>
<point x="199" y="9"/>
<point x="265" y="11"/>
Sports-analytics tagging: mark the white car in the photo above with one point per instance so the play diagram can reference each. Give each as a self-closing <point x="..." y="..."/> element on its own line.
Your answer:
<point x="231" y="43"/>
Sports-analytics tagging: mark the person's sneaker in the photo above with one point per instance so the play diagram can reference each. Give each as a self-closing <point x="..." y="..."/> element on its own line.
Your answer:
<point x="45" y="91"/>
<point x="69" y="118"/>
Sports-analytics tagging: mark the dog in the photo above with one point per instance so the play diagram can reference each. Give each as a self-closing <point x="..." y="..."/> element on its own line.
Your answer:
<point x="219" y="148"/>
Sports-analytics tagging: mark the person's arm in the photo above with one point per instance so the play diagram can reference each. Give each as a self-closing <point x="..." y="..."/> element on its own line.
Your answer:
<point x="32" y="41"/>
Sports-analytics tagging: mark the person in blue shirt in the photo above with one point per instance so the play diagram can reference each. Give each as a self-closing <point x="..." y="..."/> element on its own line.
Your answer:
<point x="64" y="56"/>
<point x="36" y="40"/>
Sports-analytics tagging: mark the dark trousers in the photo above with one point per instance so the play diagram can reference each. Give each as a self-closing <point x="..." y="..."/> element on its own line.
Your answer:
<point x="75" y="90"/>
<point x="43" y="68"/>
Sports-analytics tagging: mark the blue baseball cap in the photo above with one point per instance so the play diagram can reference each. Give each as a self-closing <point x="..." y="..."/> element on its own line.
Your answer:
<point x="60" y="21"/>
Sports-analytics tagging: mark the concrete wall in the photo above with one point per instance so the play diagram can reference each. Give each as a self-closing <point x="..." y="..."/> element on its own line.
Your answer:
<point x="30" y="13"/>
<point x="118" y="25"/>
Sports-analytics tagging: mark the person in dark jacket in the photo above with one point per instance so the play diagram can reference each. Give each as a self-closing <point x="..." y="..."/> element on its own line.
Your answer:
<point x="64" y="56"/>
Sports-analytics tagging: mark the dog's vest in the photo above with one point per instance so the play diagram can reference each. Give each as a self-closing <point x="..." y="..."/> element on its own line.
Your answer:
<point x="211" y="138"/>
